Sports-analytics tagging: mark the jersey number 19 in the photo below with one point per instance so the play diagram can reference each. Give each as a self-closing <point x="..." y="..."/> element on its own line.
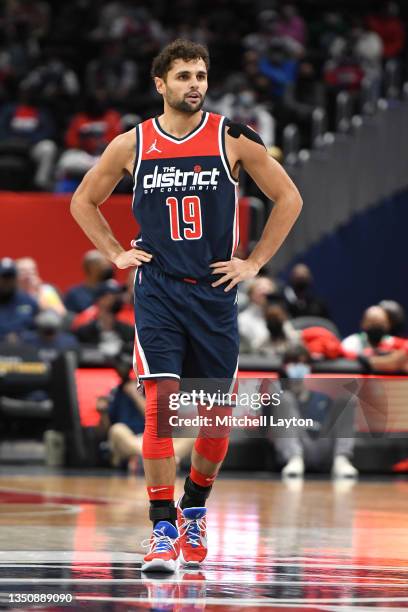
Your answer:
<point x="191" y="215"/>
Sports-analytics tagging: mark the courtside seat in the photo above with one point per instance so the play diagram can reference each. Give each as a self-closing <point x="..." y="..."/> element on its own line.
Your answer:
<point x="258" y="362"/>
<point x="300" y="323"/>
<point x="339" y="366"/>
<point x="19" y="408"/>
<point x="15" y="173"/>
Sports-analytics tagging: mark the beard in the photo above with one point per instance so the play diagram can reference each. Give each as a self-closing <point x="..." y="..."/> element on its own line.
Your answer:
<point x="183" y="105"/>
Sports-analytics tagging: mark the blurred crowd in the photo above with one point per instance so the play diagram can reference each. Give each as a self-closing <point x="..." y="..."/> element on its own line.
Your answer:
<point x="286" y="326"/>
<point x="274" y="316"/>
<point x="74" y="75"/>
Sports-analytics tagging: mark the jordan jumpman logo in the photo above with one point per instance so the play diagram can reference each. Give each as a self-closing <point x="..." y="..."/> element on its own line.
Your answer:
<point x="153" y="147"/>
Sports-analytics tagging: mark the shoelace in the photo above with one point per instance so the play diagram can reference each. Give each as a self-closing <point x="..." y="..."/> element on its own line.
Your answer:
<point x="193" y="528"/>
<point x="159" y="542"/>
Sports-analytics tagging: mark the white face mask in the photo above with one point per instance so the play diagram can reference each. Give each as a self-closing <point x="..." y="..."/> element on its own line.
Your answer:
<point x="297" y="370"/>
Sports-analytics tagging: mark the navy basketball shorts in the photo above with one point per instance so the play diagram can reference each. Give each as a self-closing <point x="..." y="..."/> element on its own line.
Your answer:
<point x="184" y="329"/>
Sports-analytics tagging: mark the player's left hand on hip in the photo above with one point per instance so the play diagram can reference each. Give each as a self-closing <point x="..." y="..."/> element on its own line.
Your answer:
<point x="234" y="271"/>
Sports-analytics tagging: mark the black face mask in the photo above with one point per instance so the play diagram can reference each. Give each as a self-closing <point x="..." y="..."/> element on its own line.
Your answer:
<point x="116" y="306"/>
<point x="106" y="274"/>
<point x="301" y="284"/>
<point x="6" y="295"/>
<point x="124" y="372"/>
<point x="275" y="328"/>
<point x="95" y="108"/>
<point x="375" y="335"/>
<point x="47" y="332"/>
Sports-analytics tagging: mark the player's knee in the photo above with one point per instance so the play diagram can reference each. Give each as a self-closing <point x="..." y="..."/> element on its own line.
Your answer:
<point x="156" y="448"/>
<point x="157" y="440"/>
<point x="212" y="449"/>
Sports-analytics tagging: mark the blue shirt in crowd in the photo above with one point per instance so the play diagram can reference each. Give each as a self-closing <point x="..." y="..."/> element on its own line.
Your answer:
<point x="79" y="297"/>
<point x="280" y="76"/>
<point x="17" y="314"/>
<point x="316" y="407"/>
<point x="50" y="348"/>
<point x="122" y="409"/>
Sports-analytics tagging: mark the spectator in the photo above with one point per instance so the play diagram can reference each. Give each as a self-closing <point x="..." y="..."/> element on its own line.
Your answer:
<point x="328" y="33"/>
<point x="58" y="83"/>
<point x="245" y="109"/>
<point x="17" y="309"/>
<point x="200" y="33"/>
<point x="122" y="419"/>
<point x="308" y="91"/>
<point x="343" y="72"/>
<point x="299" y="296"/>
<point x="110" y="335"/>
<point x="96" y="269"/>
<point x="251" y="321"/>
<point x="89" y="132"/>
<point x="279" y="67"/>
<point x="258" y="81"/>
<point x="126" y="314"/>
<point x="290" y="24"/>
<point x="221" y="95"/>
<point x="120" y="20"/>
<point x="259" y="40"/>
<point x="384" y="352"/>
<point x="16" y="54"/>
<point x="30" y="282"/>
<point x="368" y="49"/>
<point x="113" y="72"/>
<point x="390" y="27"/>
<point x="330" y="441"/>
<point x="27" y="129"/>
<point x="218" y="100"/>
<point x="281" y="332"/>
<point x="48" y="337"/>
<point x="396" y="317"/>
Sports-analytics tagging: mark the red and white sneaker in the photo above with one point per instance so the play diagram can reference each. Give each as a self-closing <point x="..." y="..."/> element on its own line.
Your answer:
<point x="164" y="549"/>
<point x="192" y="526"/>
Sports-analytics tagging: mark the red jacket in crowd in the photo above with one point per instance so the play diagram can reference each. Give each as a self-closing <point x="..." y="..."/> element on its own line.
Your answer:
<point x="92" y="134"/>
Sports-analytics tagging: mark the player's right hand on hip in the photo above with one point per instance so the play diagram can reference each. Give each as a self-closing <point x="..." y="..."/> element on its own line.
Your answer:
<point x="134" y="257"/>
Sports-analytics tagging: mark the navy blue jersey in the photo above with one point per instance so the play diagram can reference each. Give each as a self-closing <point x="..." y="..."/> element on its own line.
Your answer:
<point x="185" y="198"/>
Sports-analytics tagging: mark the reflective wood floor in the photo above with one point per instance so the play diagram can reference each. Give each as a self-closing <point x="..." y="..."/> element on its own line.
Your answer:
<point x="312" y="545"/>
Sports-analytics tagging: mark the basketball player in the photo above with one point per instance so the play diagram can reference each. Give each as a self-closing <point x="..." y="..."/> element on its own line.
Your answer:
<point x="185" y="166"/>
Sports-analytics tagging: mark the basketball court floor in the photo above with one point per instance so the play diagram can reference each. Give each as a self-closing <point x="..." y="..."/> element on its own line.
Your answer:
<point x="73" y="541"/>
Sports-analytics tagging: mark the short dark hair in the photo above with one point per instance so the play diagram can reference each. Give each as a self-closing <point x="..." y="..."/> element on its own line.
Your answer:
<point x="180" y="48"/>
<point x="296" y="352"/>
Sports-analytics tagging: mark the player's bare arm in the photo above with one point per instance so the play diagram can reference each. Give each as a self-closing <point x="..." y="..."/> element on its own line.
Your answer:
<point x="275" y="183"/>
<point x="96" y="186"/>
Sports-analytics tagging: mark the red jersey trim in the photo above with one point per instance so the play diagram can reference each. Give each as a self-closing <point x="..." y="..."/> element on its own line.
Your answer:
<point x="175" y="140"/>
<point x="203" y="142"/>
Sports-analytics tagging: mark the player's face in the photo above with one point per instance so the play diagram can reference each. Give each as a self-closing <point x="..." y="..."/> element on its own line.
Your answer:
<point x="185" y="85"/>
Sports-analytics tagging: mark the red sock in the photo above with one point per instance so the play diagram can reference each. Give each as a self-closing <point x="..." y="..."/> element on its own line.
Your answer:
<point x="202" y="480"/>
<point x="160" y="492"/>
